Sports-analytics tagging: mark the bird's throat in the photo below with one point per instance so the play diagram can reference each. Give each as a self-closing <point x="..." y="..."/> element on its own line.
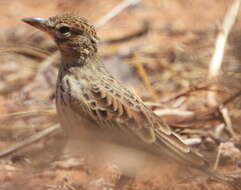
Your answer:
<point x="68" y="62"/>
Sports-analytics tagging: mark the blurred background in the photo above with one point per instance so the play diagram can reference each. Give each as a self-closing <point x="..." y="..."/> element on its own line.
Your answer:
<point x="160" y="49"/>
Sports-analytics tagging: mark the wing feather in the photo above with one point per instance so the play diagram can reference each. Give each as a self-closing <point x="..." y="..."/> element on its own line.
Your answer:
<point x="142" y="121"/>
<point x="126" y="112"/>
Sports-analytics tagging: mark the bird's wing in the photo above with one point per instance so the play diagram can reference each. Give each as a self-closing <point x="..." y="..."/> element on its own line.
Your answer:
<point x="123" y="109"/>
<point x="118" y="108"/>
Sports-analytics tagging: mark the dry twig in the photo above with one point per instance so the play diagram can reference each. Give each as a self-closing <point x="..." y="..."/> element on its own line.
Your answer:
<point x="28" y="113"/>
<point x="162" y="112"/>
<point x="211" y="114"/>
<point x="36" y="137"/>
<point x="220" y="148"/>
<point x="193" y="141"/>
<point x="185" y="92"/>
<point x="143" y="31"/>
<point x="30" y="51"/>
<point x="115" y="11"/>
<point x="224" y="112"/>
<point x="138" y="63"/>
<point x="42" y="73"/>
<point x="216" y="61"/>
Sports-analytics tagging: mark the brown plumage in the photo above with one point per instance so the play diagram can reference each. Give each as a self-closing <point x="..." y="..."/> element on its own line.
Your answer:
<point x="88" y="95"/>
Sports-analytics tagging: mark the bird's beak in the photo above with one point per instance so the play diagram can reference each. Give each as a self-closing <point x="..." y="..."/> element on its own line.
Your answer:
<point x="40" y="23"/>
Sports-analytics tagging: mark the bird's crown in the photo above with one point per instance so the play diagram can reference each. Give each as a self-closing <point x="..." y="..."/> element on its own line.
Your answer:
<point x="69" y="25"/>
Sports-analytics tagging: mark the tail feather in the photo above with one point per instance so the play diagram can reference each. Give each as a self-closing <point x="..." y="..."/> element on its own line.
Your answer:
<point x="177" y="149"/>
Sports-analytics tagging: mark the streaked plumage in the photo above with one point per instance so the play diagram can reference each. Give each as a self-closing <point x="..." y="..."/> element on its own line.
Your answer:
<point x="88" y="96"/>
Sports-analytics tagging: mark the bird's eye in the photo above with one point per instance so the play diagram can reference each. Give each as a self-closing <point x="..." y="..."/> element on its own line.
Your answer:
<point x="64" y="29"/>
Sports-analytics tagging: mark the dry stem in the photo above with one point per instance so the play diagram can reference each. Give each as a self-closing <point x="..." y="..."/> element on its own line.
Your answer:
<point x="115" y="11"/>
<point x="216" y="61"/>
<point x="30" y="140"/>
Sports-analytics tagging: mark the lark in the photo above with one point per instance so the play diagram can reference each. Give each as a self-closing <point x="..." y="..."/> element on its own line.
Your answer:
<point x="88" y="96"/>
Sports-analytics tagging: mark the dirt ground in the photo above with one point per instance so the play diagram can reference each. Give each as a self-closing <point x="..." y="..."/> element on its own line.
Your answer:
<point x="161" y="50"/>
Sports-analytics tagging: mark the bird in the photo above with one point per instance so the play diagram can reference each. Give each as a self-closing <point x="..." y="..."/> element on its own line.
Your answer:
<point x="90" y="97"/>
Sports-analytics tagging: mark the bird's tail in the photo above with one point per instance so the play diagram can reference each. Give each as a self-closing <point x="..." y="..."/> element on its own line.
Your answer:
<point x="175" y="147"/>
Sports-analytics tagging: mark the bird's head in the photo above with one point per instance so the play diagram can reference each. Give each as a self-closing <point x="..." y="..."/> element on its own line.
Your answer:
<point x="75" y="37"/>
